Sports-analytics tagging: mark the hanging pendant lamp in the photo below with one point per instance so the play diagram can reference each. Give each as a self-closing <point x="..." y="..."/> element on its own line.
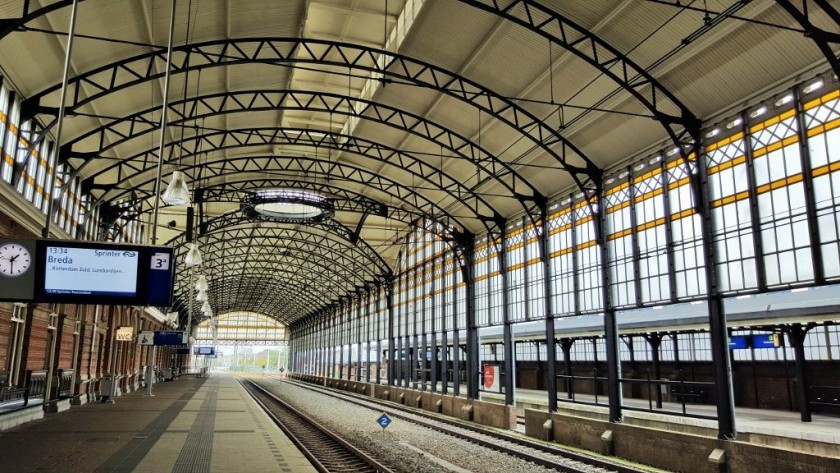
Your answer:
<point x="193" y="257"/>
<point x="201" y="283"/>
<point x="177" y="192"/>
<point x="201" y="296"/>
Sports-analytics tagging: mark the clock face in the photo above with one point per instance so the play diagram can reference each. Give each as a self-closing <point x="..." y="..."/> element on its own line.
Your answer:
<point x="15" y="260"/>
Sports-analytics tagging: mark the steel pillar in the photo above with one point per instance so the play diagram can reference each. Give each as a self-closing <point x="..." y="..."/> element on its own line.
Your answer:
<point x="550" y="336"/>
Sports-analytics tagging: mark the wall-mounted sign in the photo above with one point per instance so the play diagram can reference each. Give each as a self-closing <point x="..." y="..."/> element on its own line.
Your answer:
<point x="170" y="337"/>
<point x="204" y="350"/>
<point x="146" y="338"/>
<point x="125" y="334"/>
<point x="756" y="340"/>
<point x="766" y="340"/>
<point x="83" y="272"/>
<point x="739" y="342"/>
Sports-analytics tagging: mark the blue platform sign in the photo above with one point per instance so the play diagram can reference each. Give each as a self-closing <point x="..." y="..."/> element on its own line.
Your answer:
<point x="766" y="340"/>
<point x="170" y="337"/>
<point x="383" y="420"/>
<point x="209" y="351"/>
<point x="739" y="342"/>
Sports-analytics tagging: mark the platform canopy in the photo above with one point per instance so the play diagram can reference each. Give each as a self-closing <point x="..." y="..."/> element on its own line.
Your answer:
<point x="315" y="134"/>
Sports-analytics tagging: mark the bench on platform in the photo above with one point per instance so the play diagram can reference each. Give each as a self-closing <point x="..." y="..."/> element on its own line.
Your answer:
<point x="36" y="384"/>
<point x="63" y="384"/>
<point x="10" y="394"/>
<point x="690" y="393"/>
<point x="824" y="399"/>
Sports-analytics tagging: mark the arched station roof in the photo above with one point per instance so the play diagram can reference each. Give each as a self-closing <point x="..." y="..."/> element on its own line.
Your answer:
<point x="465" y="113"/>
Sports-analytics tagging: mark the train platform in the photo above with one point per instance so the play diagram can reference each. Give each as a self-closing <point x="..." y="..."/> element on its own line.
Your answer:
<point x="189" y="425"/>
<point x="763" y="426"/>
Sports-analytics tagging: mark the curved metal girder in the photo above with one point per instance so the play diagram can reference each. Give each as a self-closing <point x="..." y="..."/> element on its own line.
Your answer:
<point x="595" y="51"/>
<point x="261" y="264"/>
<point x="567" y="34"/>
<point x="301" y="300"/>
<point x="12" y="25"/>
<point x="135" y="167"/>
<point x="139" y="69"/>
<point x="253" y="257"/>
<point x="294" y="272"/>
<point x="220" y="229"/>
<point x="820" y="37"/>
<point x="247" y="292"/>
<point x="226" y="258"/>
<point x="347" y="201"/>
<point x="447" y="232"/>
<point x="119" y="131"/>
<point x="256" y="291"/>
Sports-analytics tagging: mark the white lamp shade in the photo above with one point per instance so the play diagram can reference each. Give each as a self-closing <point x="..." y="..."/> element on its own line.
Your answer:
<point x="201" y="283"/>
<point x="193" y="257"/>
<point x="177" y="192"/>
<point x="201" y="296"/>
<point x="206" y="307"/>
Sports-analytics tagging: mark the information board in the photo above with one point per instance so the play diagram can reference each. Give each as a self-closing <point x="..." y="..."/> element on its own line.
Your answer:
<point x="739" y="342"/>
<point x="90" y="272"/>
<point x="204" y="350"/>
<point x="170" y="337"/>
<point x="766" y="340"/>
<point x="81" y="272"/>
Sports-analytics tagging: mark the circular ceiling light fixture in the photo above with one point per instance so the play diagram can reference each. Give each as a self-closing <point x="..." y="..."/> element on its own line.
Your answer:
<point x="288" y="205"/>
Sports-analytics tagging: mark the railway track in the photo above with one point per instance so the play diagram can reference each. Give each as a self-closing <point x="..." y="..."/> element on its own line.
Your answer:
<point x="327" y="452"/>
<point x="549" y="456"/>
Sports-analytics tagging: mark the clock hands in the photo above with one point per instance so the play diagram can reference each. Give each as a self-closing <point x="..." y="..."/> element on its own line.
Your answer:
<point x="12" y="254"/>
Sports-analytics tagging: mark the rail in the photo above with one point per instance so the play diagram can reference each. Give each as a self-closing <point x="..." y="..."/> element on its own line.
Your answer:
<point x="326" y="451"/>
<point x="511" y="444"/>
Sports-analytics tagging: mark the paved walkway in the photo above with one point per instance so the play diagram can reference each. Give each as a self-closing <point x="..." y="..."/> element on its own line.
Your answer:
<point x="784" y="424"/>
<point x="823" y="428"/>
<point x="190" y="425"/>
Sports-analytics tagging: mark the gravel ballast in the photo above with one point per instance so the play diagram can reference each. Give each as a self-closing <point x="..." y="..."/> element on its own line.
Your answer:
<point x="403" y="446"/>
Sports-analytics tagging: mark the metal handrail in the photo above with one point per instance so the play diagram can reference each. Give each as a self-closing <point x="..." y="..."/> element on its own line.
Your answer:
<point x="653" y="393"/>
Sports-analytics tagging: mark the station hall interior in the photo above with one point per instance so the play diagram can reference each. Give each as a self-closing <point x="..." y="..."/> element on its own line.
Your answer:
<point x="607" y="224"/>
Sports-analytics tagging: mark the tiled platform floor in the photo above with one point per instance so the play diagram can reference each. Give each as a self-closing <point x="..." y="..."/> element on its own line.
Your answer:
<point x="190" y="425"/>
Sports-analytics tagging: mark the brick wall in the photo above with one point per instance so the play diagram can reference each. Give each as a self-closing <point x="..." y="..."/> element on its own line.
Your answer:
<point x="94" y="355"/>
<point x="5" y="328"/>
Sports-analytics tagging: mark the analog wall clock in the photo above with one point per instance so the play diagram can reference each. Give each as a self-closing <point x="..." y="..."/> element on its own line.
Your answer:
<point x="15" y="260"/>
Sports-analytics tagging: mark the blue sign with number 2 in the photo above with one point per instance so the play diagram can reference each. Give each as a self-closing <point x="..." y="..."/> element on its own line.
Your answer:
<point x="383" y="420"/>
